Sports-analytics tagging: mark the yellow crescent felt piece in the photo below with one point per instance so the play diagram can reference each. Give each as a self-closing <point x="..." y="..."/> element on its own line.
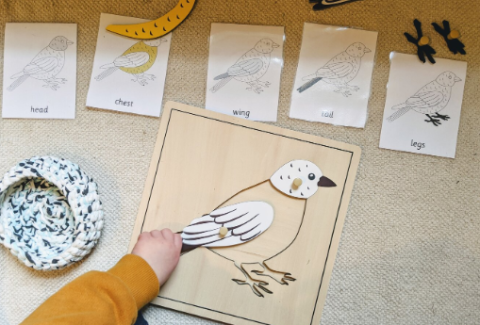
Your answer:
<point x="156" y="28"/>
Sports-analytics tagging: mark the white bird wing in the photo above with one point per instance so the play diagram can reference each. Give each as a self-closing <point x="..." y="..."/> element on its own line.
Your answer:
<point x="244" y="221"/>
<point x="132" y="60"/>
<point x="335" y="70"/>
<point x="245" y="68"/>
<point x="41" y="65"/>
<point x="425" y="99"/>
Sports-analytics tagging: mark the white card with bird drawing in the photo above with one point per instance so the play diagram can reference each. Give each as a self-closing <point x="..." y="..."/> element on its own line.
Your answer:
<point x="128" y="75"/>
<point x="244" y="68"/>
<point x="40" y="71"/>
<point x="422" y="110"/>
<point x="334" y="75"/>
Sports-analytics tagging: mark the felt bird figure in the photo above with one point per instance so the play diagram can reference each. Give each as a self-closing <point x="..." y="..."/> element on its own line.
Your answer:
<point x="45" y="66"/>
<point x="430" y="99"/>
<point x="259" y="223"/>
<point x="340" y="70"/>
<point x="250" y="67"/>
<point x="138" y="59"/>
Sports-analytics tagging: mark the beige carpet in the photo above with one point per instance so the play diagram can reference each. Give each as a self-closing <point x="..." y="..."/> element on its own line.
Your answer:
<point x="409" y="252"/>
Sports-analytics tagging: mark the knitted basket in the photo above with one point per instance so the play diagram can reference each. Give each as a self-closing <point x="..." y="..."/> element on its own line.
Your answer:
<point x="50" y="213"/>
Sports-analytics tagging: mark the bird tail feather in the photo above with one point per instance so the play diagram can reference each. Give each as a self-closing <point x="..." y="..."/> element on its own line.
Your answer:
<point x="220" y="84"/>
<point x="16" y="75"/>
<point x="399" y="106"/>
<point x="106" y="73"/>
<point x="309" y="77"/>
<point x="308" y="84"/>
<point x="18" y="82"/>
<point x="222" y="76"/>
<point x="108" y="65"/>
<point x="400" y="112"/>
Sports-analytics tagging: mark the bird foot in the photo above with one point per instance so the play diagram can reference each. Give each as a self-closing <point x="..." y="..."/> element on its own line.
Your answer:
<point x="432" y="120"/>
<point x="344" y="92"/>
<point x="257" y="90"/>
<point x="141" y="82"/>
<point x="258" y="286"/>
<point x="257" y="86"/>
<point x="147" y="76"/>
<point x="443" y="117"/>
<point x="279" y="276"/>
<point x="58" y="80"/>
<point x="54" y="83"/>
<point x="52" y="86"/>
<point x="264" y="84"/>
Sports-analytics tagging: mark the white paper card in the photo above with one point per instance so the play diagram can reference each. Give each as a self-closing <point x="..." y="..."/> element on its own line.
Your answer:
<point x="422" y="111"/>
<point x="334" y="75"/>
<point x="128" y="75"/>
<point x="244" y="68"/>
<point x="40" y="71"/>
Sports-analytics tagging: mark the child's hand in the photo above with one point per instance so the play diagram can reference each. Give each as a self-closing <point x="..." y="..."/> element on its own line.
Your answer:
<point x="161" y="250"/>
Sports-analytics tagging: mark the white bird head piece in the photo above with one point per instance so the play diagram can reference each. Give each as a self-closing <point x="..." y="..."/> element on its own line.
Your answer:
<point x="265" y="45"/>
<point x="357" y="50"/>
<point x="60" y="43"/>
<point x="448" y="79"/>
<point x="156" y="42"/>
<point x="300" y="179"/>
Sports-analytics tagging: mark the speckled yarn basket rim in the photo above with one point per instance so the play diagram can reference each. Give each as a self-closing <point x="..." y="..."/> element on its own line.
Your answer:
<point x="82" y="203"/>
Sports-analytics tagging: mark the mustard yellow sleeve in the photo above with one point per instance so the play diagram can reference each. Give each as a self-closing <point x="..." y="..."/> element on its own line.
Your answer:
<point x="103" y="298"/>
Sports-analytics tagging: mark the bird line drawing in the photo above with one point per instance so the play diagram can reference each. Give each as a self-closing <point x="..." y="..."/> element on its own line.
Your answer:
<point x="136" y="61"/>
<point x="430" y="99"/>
<point x="250" y="67"/>
<point x="339" y="71"/>
<point x="251" y="232"/>
<point x="45" y="66"/>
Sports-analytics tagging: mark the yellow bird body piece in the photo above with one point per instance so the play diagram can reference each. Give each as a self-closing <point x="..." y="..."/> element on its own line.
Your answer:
<point x="156" y="28"/>
<point x="141" y="47"/>
<point x="137" y="60"/>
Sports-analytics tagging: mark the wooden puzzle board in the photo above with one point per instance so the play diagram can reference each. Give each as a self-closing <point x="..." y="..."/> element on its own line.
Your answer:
<point x="202" y="158"/>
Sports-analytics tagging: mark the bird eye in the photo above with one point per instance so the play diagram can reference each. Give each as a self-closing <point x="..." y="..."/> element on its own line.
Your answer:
<point x="311" y="176"/>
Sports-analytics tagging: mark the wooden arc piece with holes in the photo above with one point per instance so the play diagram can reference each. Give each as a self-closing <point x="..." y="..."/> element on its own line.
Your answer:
<point x="159" y="27"/>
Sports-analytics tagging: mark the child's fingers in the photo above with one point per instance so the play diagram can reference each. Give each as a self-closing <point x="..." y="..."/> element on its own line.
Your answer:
<point x="168" y="234"/>
<point x="156" y="234"/>
<point x="143" y="235"/>
<point x="177" y="240"/>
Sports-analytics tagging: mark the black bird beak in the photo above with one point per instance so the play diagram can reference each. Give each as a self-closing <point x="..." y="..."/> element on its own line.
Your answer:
<point x="326" y="182"/>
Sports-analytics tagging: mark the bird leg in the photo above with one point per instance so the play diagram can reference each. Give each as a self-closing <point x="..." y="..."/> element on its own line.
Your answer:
<point x="274" y="274"/>
<point x="142" y="78"/>
<point x="345" y="89"/>
<point x="264" y="84"/>
<point x="53" y="83"/>
<point x="432" y="120"/>
<point x="256" y="86"/>
<point x="443" y="117"/>
<point x="255" y="285"/>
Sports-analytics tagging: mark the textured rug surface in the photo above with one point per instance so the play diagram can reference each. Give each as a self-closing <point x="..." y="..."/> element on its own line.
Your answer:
<point x="409" y="252"/>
